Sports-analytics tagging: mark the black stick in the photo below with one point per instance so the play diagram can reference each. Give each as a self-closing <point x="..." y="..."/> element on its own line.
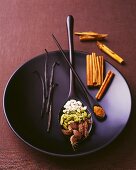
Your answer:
<point x="49" y="118"/>
<point x="50" y="95"/>
<point x="50" y="87"/>
<point x="45" y="74"/>
<point x="50" y="109"/>
<point x="90" y="99"/>
<point x="43" y="92"/>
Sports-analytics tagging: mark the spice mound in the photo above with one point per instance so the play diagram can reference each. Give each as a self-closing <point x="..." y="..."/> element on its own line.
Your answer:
<point x="75" y="121"/>
<point x="99" y="111"/>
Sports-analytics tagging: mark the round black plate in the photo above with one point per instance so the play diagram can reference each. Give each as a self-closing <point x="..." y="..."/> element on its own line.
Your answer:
<point x="23" y="100"/>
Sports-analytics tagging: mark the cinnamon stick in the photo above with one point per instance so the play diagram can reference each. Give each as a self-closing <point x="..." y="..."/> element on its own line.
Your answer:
<point x="86" y="33"/>
<point x="88" y="70"/>
<point x="108" y="51"/>
<point x="91" y="71"/>
<point x="102" y="68"/>
<point x="86" y="36"/>
<point x="89" y="37"/>
<point x="98" y="71"/>
<point x="94" y="69"/>
<point x="104" y="85"/>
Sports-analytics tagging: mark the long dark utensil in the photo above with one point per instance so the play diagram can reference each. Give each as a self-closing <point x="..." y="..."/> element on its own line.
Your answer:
<point x="92" y="102"/>
<point x="70" y="22"/>
<point x="73" y="97"/>
<point x="90" y="99"/>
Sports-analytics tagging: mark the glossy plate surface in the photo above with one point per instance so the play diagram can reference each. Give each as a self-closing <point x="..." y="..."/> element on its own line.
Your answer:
<point x="23" y="99"/>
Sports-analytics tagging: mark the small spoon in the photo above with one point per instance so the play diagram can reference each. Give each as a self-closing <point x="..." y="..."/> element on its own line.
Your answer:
<point x="72" y="95"/>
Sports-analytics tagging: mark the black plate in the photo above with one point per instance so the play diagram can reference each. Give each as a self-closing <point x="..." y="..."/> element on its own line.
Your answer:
<point x="23" y="99"/>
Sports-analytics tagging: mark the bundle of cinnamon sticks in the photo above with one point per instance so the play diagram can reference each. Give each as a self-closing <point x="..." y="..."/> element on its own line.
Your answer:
<point x="95" y="74"/>
<point x="94" y="69"/>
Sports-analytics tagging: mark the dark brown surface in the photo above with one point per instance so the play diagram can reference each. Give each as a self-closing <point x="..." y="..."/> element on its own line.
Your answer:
<point x="25" y="30"/>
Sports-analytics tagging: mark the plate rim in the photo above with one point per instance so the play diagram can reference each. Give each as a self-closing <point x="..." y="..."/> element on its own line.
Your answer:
<point x="51" y="153"/>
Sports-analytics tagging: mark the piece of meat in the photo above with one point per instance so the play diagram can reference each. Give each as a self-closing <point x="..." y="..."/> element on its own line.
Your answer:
<point x="67" y="132"/>
<point x="74" y="125"/>
<point x="86" y="127"/>
<point x="74" y="141"/>
<point x="77" y="134"/>
<point x="81" y="128"/>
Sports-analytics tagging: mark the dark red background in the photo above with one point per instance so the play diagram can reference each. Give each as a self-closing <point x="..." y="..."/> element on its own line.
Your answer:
<point x="25" y="31"/>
